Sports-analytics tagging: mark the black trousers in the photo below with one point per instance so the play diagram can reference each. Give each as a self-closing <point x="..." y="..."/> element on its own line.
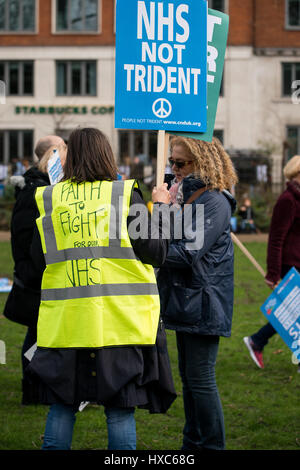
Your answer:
<point x="262" y="336"/>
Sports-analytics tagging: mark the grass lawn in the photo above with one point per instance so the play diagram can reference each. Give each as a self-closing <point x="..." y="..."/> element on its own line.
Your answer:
<point x="261" y="407"/>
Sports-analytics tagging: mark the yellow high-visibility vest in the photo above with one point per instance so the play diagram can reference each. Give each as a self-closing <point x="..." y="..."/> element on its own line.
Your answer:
<point x="95" y="291"/>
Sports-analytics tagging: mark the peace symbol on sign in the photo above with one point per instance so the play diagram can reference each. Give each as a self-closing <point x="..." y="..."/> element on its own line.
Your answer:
<point x="162" y="108"/>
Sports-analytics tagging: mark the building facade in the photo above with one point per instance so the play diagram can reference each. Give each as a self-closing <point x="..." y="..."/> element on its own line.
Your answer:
<point x="257" y="110"/>
<point x="57" y="63"/>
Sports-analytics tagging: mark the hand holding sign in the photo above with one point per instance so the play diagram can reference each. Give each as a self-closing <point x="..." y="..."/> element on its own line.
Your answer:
<point x="161" y="194"/>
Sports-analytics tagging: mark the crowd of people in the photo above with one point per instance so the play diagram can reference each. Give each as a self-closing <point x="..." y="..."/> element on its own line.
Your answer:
<point x="97" y="294"/>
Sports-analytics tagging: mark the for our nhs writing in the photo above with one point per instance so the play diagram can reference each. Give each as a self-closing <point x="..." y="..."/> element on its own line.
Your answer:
<point x="155" y="26"/>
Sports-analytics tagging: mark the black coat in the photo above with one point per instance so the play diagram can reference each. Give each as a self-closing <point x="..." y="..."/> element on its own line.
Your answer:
<point x="126" y="376"/>
<point x="23" y="301"/>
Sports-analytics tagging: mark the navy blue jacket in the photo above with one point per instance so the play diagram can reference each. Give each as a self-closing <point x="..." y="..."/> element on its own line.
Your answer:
<point x="196" y="285"/>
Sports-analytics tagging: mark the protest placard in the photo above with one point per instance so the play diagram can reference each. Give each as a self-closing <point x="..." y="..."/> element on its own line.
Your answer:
<point x="54" y="167"/>
<point x="161" y="65"/>
<point x="5" y="284"/>
<point x="217" y="33"/>
<point x="282" y="309"/>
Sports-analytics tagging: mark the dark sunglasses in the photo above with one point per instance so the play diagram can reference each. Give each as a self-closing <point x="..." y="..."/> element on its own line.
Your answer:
<point x="179" y="163"/>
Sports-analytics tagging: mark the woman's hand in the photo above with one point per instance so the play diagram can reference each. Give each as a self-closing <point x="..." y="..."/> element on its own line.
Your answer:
<point x="271" y="284"/>
<point x="161" y="194"/>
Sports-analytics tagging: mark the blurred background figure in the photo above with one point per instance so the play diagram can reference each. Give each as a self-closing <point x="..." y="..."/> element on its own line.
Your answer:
<point x="124" y="168"/>
<point x="17" y="167"/>
<point x="283" y="249"/>
<point x="247" y="215"/>
<point x="23" y="301"/>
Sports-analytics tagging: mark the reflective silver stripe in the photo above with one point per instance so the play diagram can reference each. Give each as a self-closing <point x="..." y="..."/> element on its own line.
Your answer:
<point x="115" y="222"/>
<point x="114" y="250"/>
<point x="98" y="290"/>
<point x="48" y="228"/>
<point x="90" y="252"/>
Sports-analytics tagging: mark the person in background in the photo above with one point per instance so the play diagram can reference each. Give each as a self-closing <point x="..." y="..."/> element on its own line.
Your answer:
<point x="283" y="249"/>
<point x="99" y="337"/>
<point x="26" y="164"/>
<point x="196" y="282"/>
<point x="23" y="301"/>
<point x="124" y="168"/>
<point x="16" y="167"/>
<point x="246" y="214"/>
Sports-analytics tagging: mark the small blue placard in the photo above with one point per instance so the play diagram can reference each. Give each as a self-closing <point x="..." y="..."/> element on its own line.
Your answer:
<point x="161" y="65"/>
<point x="282" y="309"/>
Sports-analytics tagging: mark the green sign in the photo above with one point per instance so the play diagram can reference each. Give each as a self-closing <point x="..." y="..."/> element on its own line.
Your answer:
<point x="217" y="33"/>
<point x="96" y="110"/>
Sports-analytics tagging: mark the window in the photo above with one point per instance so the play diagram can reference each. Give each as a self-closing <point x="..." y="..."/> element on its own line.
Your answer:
<point x="140" y="144"/>
<point x="18" y="77"/>
<point x="77" y="15"/>
<point x="15" y="144"/>
<point x="293" y="139"/>
<point x="293" y="14"/>
<point x="137" y="152"/>
<point x="290" y="73"/>
<point x="76" y="78"/>
<point x="217" y="5"/>
<point x="17" y="16"/>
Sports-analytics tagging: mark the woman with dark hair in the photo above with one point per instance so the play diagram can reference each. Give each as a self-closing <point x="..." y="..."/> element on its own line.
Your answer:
<point x="99" y="338"/>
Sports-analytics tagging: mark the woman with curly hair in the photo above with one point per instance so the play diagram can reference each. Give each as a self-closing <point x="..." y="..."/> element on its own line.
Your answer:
<point x="196" y="282"/>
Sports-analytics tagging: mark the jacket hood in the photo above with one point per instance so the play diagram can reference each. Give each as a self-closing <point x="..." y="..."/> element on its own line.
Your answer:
<point x="192" y="184"/>
<point x="34" y="176"/>
<point x="231" y="200"/>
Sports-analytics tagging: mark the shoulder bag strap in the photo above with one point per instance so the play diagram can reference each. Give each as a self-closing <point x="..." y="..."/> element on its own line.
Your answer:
<point x="196" y="194"/>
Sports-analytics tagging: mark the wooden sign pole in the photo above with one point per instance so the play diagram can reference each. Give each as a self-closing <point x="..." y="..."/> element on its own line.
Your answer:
<point x="249" y="256"/>
<point x="162" y="153"/>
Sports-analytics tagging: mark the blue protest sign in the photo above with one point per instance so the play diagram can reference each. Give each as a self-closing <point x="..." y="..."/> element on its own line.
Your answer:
<point x="161" y="65"/>
<point x="282" y="309"/>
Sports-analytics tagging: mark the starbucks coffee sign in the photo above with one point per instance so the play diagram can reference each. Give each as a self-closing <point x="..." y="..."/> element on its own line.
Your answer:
<point x="79" y="110"/>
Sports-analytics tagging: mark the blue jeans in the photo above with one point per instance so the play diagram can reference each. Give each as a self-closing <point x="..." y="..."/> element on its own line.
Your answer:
<point x="204" y="422"/>
<point x="61" y="419"/>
